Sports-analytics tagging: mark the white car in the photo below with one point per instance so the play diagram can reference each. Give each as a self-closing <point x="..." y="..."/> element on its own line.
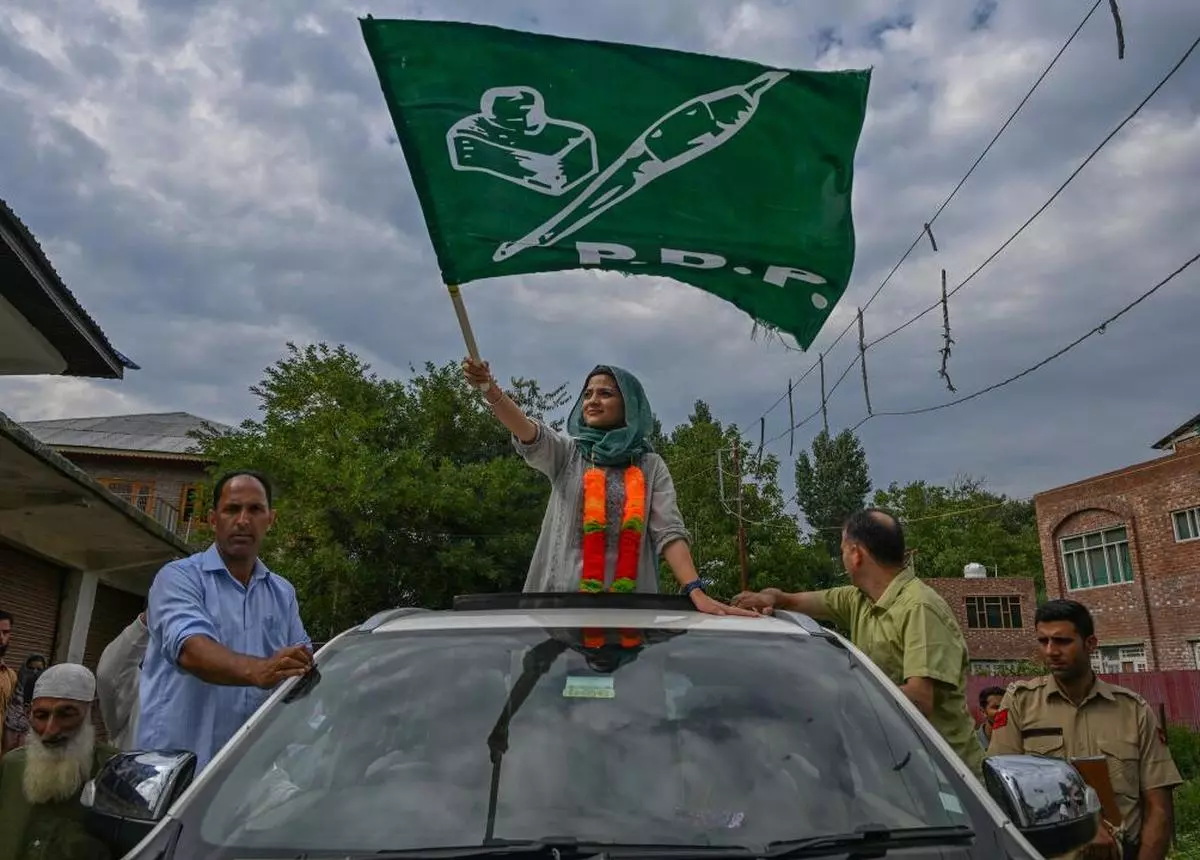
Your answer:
<point x="568" y="726"/>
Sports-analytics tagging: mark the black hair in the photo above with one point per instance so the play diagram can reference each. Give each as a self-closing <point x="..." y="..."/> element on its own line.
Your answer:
<point x="602" y="370"/>
<point x="880" y="533"/>
<point x="987" y="692"/>
<point x="28" y="676"/>
<point x="1063" y="609"/>
<point x="219" y="486"/>
<point x="7" y="616"/>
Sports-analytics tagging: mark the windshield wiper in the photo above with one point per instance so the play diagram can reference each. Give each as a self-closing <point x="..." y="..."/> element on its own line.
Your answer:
<point x="566" y="848"/>
<point x="868" y="841"/>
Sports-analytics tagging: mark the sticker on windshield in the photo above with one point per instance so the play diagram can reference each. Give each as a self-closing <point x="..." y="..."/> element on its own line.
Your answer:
<point x="950" y="803"/>
<point x="589" y="687"/>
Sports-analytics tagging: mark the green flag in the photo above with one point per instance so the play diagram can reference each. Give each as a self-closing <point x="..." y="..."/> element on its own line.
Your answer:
<point x="537" y="153"/>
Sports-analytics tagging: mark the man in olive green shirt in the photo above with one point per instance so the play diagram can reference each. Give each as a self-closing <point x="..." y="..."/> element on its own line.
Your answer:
<point x="902" y="624"/>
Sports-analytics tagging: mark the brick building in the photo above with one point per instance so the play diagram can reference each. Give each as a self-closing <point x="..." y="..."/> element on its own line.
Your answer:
<point x="75" y="560"/>
<point x="151" y="461"/>
<point x="1127" y="545"/>
<point x="995" y="614"/>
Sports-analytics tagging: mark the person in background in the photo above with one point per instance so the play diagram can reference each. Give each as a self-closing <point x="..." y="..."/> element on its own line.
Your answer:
<point x="1071" y="713"/>
<point x="16" y="716"/>
<point x="118" y="676"/>
<point x="224" y="630"/>
<point x="40" y="783"/>
<point x="989" y="706"/>
<point x="613" y="511"/>
<point x="902" y="624"/>
<point x="8" y="676"/>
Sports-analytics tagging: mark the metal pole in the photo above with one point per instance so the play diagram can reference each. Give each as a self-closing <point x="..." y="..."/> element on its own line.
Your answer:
<point x="743" y="559"/>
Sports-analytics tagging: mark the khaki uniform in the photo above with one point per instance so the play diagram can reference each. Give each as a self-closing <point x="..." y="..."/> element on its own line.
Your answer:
<point x="911" y="633"/>
<point x="1037" y="718"/>
<point x="8" y="684"/>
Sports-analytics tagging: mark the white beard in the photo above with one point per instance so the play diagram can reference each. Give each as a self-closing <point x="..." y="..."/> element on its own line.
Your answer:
<point x="58" y="773"/>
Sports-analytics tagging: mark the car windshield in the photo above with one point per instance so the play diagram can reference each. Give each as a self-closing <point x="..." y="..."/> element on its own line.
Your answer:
<point x="462" y="738"/>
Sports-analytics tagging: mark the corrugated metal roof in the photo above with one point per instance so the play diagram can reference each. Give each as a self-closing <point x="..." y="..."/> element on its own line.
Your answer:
<point x="69" y="304"/>
<point x="161" y="432"/>
<point x="1188" y="428"/>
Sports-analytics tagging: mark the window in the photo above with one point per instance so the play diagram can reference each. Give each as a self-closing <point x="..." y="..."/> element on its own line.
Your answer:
<point x="1187" y="524"/>
<point x="1097" y="559"/>
<point x="140" y="494"/>
<point x="190" y="502"/>
<point x="999" y="612"/>
<point x="1120" y="658"/>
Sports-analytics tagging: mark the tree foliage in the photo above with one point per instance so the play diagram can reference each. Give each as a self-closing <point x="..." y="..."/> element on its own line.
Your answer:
<point x="707" y="490"/>
<point x="389" y="493"/>
<point x="952" y="526"/>
<point x="408" y="492"/>
<point x="832" y="484"/>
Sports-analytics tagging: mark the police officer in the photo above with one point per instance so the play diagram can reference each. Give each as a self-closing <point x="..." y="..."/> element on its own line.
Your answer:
<point x="1071" y="713"/>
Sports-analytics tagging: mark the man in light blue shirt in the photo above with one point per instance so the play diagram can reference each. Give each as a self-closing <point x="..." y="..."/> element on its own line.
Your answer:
<point x="224" y="630"/>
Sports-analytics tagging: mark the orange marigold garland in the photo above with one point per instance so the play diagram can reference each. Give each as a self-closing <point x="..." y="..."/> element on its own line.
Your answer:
<point x="595" y="530"/>
<point x="633" y="523"/>
<point x="595" y="527"/>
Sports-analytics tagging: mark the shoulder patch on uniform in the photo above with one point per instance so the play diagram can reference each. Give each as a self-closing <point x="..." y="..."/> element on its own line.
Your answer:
<point x="1028" y="684"/>
<point x="1001" y="719"/>
<point x="1127" y="693"/>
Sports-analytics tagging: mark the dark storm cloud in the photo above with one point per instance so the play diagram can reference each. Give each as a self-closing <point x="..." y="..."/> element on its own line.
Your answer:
<point x="213" y="179"/>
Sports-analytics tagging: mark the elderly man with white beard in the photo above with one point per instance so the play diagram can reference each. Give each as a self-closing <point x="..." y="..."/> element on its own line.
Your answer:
<point x="40" y="814"/>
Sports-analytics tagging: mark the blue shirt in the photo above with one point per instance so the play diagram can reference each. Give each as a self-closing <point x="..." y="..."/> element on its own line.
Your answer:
<point x="198" y="596"/>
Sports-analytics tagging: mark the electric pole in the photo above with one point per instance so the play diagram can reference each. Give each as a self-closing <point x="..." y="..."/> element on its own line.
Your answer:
<point x="743" y="559"/>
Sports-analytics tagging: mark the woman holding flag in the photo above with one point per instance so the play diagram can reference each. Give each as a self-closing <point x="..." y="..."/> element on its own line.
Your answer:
<point x="612" y="512"/>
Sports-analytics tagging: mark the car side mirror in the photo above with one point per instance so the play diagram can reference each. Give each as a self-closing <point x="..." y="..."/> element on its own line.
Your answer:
<point x="132" y="793"/>
<point x="1047" y="799"/>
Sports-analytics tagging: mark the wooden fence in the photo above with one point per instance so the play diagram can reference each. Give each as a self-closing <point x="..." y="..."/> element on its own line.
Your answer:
<point x="1175" y="694"/>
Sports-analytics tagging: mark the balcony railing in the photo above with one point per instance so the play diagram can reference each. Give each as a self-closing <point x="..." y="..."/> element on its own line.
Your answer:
<point x="164" y="513"/>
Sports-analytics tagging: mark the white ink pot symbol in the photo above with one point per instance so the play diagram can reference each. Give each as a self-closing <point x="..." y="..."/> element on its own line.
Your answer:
<point x="513" y="138"/>
<point x="685" y="133"/>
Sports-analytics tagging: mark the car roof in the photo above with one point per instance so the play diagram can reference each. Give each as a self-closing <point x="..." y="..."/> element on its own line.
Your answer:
<point x="638" y="611"/>
<point x="572" y="618"/>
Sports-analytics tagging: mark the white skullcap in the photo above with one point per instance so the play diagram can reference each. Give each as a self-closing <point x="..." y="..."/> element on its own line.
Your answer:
<point x="66" y="681"/>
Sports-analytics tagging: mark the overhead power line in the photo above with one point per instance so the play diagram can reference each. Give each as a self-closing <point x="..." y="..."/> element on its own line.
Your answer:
<point x="1048" y="202"/>
<point x="936" y="305"/>
<point x="925" y="226"/>
<point x="1098" y="329"/>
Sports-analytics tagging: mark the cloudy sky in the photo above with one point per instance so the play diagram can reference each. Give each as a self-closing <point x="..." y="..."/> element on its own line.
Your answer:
<point x="213" y="179"/>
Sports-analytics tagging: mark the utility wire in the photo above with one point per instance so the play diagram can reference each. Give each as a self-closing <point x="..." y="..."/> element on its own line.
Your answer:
<point x="1009" y="241"/>
<point x="1098" y="329"/>
<point x="926" y="225"/>
<point x="1048" y="202"/>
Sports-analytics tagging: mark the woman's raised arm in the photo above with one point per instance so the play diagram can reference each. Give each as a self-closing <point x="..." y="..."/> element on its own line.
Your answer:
<point x="507" y="412"/>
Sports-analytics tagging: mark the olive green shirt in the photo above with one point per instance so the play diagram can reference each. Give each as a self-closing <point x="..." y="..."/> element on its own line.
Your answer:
<point x="911" y="633"/>
<point x="45" y="831"/>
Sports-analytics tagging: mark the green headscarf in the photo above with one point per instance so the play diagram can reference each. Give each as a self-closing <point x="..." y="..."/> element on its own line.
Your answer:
<point x="620" y="446"/>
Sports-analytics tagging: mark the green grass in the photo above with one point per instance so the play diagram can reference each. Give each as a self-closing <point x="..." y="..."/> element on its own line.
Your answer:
<point x="1185" y="749"/>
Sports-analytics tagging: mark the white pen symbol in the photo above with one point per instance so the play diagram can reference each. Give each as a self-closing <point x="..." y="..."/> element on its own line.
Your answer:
<point x="693" y="129"/>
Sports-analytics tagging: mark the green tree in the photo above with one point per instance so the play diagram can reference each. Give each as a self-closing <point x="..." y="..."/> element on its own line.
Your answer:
<point x="390" y="493"/>
<point x="948" y="527"/>
<point x="707" y="490"/>
<point x="832" y="484"/>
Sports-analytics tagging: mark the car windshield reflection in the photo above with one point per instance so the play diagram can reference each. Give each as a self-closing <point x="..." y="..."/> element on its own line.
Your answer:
<point x="430" y="739"/>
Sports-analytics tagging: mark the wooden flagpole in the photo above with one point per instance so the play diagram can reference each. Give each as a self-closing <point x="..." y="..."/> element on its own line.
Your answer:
<point x="464" y="323"/>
